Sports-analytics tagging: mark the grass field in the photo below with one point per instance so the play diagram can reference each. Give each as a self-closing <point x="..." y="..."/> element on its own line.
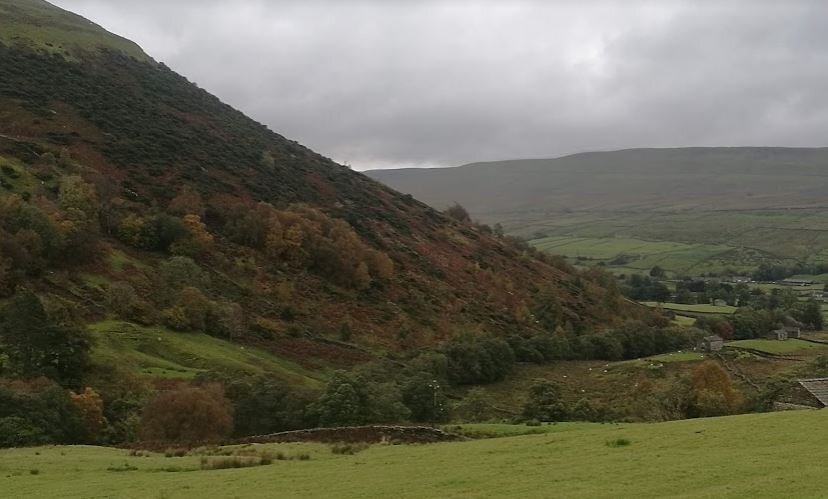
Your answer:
<point x="159" y="352"/>
<point x="676" y="357"/>
<point x="720" y="457"/>
<point x="642" y="255"/>
<point x="681" y="242"/>
<point x="696" y="309"/>
<point x="774" y="346"/>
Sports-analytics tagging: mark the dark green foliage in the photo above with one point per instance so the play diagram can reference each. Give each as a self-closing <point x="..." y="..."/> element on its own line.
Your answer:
<point x="38" y="413"/>
<point x="262" y="406"/>
<point x="340" y="405"/>
<point x="35" y="346"/>
<point x="811" y="315"/>
<point x="152" y="120"/>
<point x="544" y="403"/>
<point x="478" y="359"/>
<point x="645" y="289"/>
<point x="21" y="432"/>
<point x="425" y="398"/>
<point x="547" y="311"/>
<point x="358" y="398"/>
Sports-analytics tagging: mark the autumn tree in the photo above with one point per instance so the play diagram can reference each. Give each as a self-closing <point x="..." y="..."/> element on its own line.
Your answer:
<point x="199" y="241"/>
<point x="190" y="312"/>
<point x="90" y="406"/>
<point x="187" y="202"/>
<point x="78" y="197"/>
<point x="122" y="299"/>
<point x="713" y="393"/>
<point x="458" y="213"/>
<point x="188" y="414"/>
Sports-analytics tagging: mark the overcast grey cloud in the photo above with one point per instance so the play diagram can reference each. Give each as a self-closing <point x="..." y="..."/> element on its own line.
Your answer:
<point x="384" y="83"/>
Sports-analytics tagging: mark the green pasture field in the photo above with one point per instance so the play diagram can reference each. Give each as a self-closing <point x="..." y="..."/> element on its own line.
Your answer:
<point x="676" y="357"/>
<point x="643" y="255"/>
<point x="696" y="309"/>
<point x="716" y="457"/>
<point x="162" y="353"/>
<point x="774" y="346"/>
<point x="692" y="242"/>
<point x="681" y="320"/>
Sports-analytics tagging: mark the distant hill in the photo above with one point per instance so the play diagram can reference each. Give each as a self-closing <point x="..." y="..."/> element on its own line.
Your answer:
<point x="127" y="192"/>
<point x="698" y="178"/>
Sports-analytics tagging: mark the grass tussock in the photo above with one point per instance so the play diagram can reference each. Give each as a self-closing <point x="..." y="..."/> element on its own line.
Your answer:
<point x="618" y="442"/>
<point x="348" y="449"/>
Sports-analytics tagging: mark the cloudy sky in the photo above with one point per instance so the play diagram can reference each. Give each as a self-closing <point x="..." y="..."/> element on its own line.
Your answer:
<point x="391" y="83"/>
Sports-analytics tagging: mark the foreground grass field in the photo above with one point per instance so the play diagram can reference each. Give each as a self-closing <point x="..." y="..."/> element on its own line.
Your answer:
<point x="760" y="455"/>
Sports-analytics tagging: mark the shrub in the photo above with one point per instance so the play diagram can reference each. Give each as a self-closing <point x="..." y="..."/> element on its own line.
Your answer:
<point x="478" y="360"/>
<point x="20" y="432"/>
<point x="90" y="407"/>
<point x="348" y="448"/>
<point x="188" y="414"/>
<point x="231" y="462"/>
<point x="544" y="402"/>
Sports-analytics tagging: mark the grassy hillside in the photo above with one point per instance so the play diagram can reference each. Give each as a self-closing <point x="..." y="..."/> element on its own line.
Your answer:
<point x="310" y="251"/>
<point x="159" y="352"/>
<point x="719" y="457"/>
<point x="41" y="26"/>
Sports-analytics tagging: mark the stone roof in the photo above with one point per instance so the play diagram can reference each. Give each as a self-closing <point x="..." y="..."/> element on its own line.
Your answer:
<point x="818" y="387"/>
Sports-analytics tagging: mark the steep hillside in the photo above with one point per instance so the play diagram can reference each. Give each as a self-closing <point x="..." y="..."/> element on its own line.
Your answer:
<point x="636" y="179"/>
<point x="39" y="25"/>
<point x="128" y="192"/>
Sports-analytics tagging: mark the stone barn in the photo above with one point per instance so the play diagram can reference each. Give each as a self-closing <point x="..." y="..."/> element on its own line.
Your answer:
<point x="793" y="332"/>
<point x="818" y="388"/>
<point x="778" y="334"/>
<point x="713" y="343"/>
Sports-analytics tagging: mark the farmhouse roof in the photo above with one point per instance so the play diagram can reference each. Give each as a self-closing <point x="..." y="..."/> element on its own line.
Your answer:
<point x="818" y="387"/>
<point x="715" y="337"/>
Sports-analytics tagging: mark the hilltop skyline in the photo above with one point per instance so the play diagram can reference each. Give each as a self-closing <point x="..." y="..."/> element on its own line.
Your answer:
<point x="379" y="85"/>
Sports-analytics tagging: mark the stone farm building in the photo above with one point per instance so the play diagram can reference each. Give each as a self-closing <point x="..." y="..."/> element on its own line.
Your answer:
<point x="818" y="388"/>
<point x="713" y="343"/>
<point x="785" y="333"/>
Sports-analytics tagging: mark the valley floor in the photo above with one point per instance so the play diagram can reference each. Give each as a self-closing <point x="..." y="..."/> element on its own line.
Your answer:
<point x="759" y="455"/>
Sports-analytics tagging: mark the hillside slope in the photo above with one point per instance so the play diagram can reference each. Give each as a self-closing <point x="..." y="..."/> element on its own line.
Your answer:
<point x="634" y="179"/>
<point x="127" y="191"/>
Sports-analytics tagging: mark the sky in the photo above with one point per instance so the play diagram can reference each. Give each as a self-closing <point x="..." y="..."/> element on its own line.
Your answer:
<point x="405" y="83"/>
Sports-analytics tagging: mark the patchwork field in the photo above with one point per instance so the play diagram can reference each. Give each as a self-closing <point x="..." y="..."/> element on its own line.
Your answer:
<point x="717" y="457"/>
<point x="696" y="309"/>
<point x="776" y="347"/>
<point x="681" y="242"/>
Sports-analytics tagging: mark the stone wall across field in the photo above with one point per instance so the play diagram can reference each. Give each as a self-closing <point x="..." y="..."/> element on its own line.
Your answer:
<point x="355" y="434"/>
